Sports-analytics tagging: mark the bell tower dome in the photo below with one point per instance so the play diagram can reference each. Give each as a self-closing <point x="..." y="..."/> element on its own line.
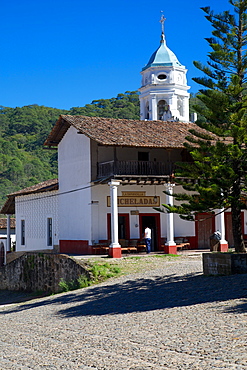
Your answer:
<point x="164" y="91"/>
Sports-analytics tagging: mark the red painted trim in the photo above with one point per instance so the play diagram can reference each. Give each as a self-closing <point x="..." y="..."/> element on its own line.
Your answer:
<point x="170" y="249"/>
<point x="75" y="246"/>
<point x="157" y="221"/>
<point x="115" y="252"/>
<point x="223" y="247"/>
<point x="193" y="242"/>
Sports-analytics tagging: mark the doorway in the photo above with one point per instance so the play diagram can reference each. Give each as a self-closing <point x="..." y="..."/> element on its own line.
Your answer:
<point x="123" y="226"/>
<point x="205" y="226"/>
<point x="153" y="222"/>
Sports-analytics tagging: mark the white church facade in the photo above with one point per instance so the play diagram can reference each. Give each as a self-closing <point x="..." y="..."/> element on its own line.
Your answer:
<point x="112" y="174"/>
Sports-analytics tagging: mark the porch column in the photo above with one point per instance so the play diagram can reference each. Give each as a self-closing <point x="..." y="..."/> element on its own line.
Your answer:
<point x="223" y="242"/>
<point x="170" y="245"/>
<point x="115" y="248"/>
<point x="8" y="234"/>
<point x="142" y="109"/>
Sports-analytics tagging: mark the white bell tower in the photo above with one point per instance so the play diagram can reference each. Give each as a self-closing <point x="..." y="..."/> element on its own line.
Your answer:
<point x="164" y="91"/>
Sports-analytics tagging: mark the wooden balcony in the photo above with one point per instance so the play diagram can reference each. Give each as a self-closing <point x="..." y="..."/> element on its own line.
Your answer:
<point x="134" y="168"/>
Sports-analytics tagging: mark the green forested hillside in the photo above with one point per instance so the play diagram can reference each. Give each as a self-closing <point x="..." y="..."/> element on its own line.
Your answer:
<point x="23" y="161"/>
<point x="123" y="106"/>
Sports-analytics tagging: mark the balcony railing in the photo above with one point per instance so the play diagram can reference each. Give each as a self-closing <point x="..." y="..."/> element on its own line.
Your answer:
<point x="134" y="168"/>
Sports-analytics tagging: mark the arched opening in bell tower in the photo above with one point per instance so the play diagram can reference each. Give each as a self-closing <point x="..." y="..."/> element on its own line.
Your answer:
<point x="162" y="108"/>
<point x="147" y="111"/>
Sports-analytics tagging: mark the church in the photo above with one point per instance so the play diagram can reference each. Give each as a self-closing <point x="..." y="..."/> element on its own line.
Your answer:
<point x="112" y="174"/>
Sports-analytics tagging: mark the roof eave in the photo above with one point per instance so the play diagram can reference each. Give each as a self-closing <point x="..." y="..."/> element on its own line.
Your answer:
<point x="57" y="133"/>
<point x="9" y="206"/>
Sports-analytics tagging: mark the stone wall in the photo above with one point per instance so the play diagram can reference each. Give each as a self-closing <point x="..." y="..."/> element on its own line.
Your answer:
<point x="239" y="263"/>
<point x="224" y="263"/>
<point x="40" y="272"/>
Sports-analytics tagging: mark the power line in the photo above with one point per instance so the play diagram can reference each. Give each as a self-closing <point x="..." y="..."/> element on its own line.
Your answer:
<point x="62" y="193"/>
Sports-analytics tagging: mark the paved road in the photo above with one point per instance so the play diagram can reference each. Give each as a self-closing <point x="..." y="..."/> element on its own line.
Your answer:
<point x="172" y="317"/>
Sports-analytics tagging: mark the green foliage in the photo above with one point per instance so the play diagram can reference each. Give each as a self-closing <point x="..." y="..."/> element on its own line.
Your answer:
<point x="219" y="164"/>
<point x="166" y="255"/>
<point x="197" y="106"/>
<point x="23" y="162"/>
<point x="123" y="106"/>
<point x="100" y="272"/>
<point x="81" y="282"/>
<point x="103" y="271"/>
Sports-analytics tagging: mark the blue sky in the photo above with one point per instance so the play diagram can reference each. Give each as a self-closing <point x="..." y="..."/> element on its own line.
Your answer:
<point x="66" y="53"/>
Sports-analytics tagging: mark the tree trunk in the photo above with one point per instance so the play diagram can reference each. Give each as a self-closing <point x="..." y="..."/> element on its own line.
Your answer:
<point x="236" y="218"/>
<point x="237" y="230"/>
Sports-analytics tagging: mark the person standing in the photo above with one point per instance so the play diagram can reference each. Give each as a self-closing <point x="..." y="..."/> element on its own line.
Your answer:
<point x="147" y="238"/>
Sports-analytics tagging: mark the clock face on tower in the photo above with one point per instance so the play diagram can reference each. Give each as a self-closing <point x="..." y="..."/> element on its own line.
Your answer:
<point x="180" y="78"/>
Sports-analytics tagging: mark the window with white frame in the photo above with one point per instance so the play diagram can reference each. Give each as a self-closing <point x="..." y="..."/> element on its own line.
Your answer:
<point x="22" y="232"/>
<point x="49" y="231"/>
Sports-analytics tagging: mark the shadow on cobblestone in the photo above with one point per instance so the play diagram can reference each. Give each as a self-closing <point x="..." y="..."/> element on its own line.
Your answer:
<point x="10" y="296"/>
<point x="154" y="293"/>
<point x="239" y="308"/>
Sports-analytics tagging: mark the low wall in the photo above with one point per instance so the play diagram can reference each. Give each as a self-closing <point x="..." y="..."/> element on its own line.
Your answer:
<point x="224" y="263"/>
<point x="40" y="272"/>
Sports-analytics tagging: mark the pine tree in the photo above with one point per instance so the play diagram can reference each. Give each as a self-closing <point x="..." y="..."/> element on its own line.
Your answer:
<point x="219" y="167"/>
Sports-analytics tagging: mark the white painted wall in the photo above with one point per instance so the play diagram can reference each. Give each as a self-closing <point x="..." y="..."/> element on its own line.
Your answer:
<point x="182" y="227"/>
<point x="35" y="209"/>
<point x="74" y="187"/>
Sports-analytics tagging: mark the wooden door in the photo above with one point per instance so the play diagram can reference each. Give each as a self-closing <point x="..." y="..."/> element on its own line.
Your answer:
<point x="204" y="229"/>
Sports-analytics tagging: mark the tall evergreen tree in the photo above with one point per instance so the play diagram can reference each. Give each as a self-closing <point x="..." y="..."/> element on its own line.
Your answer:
<point x="219" y="167"/>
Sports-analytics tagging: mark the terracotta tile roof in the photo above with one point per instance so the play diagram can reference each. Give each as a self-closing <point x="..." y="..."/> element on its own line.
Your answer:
<point x="122" y="132"/>
<point x="44" y="186"/>
<point x="9" y="206"/>
<point x="3" y="223"/>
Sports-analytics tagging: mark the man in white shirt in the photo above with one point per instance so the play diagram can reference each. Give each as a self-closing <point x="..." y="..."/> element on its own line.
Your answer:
<point x="147" y="238"/>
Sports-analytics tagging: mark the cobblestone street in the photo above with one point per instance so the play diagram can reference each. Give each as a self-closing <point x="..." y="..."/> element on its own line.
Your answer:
<point x="171" y="317"/>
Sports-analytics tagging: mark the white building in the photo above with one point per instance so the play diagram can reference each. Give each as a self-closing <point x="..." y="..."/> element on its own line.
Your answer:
<point x="37" y="218"/>
<point x="99" y="157"/>
<point x="112" y="174"/>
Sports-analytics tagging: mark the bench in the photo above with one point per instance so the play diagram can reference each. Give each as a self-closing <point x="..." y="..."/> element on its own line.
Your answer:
<point x="141" y="247"/>
<point x="182" y="243"/>
<point x="100" y="249"/>
<point x="96" y="250"/>
<point x="129" y="249"/>
<point x="183" y="246"/>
